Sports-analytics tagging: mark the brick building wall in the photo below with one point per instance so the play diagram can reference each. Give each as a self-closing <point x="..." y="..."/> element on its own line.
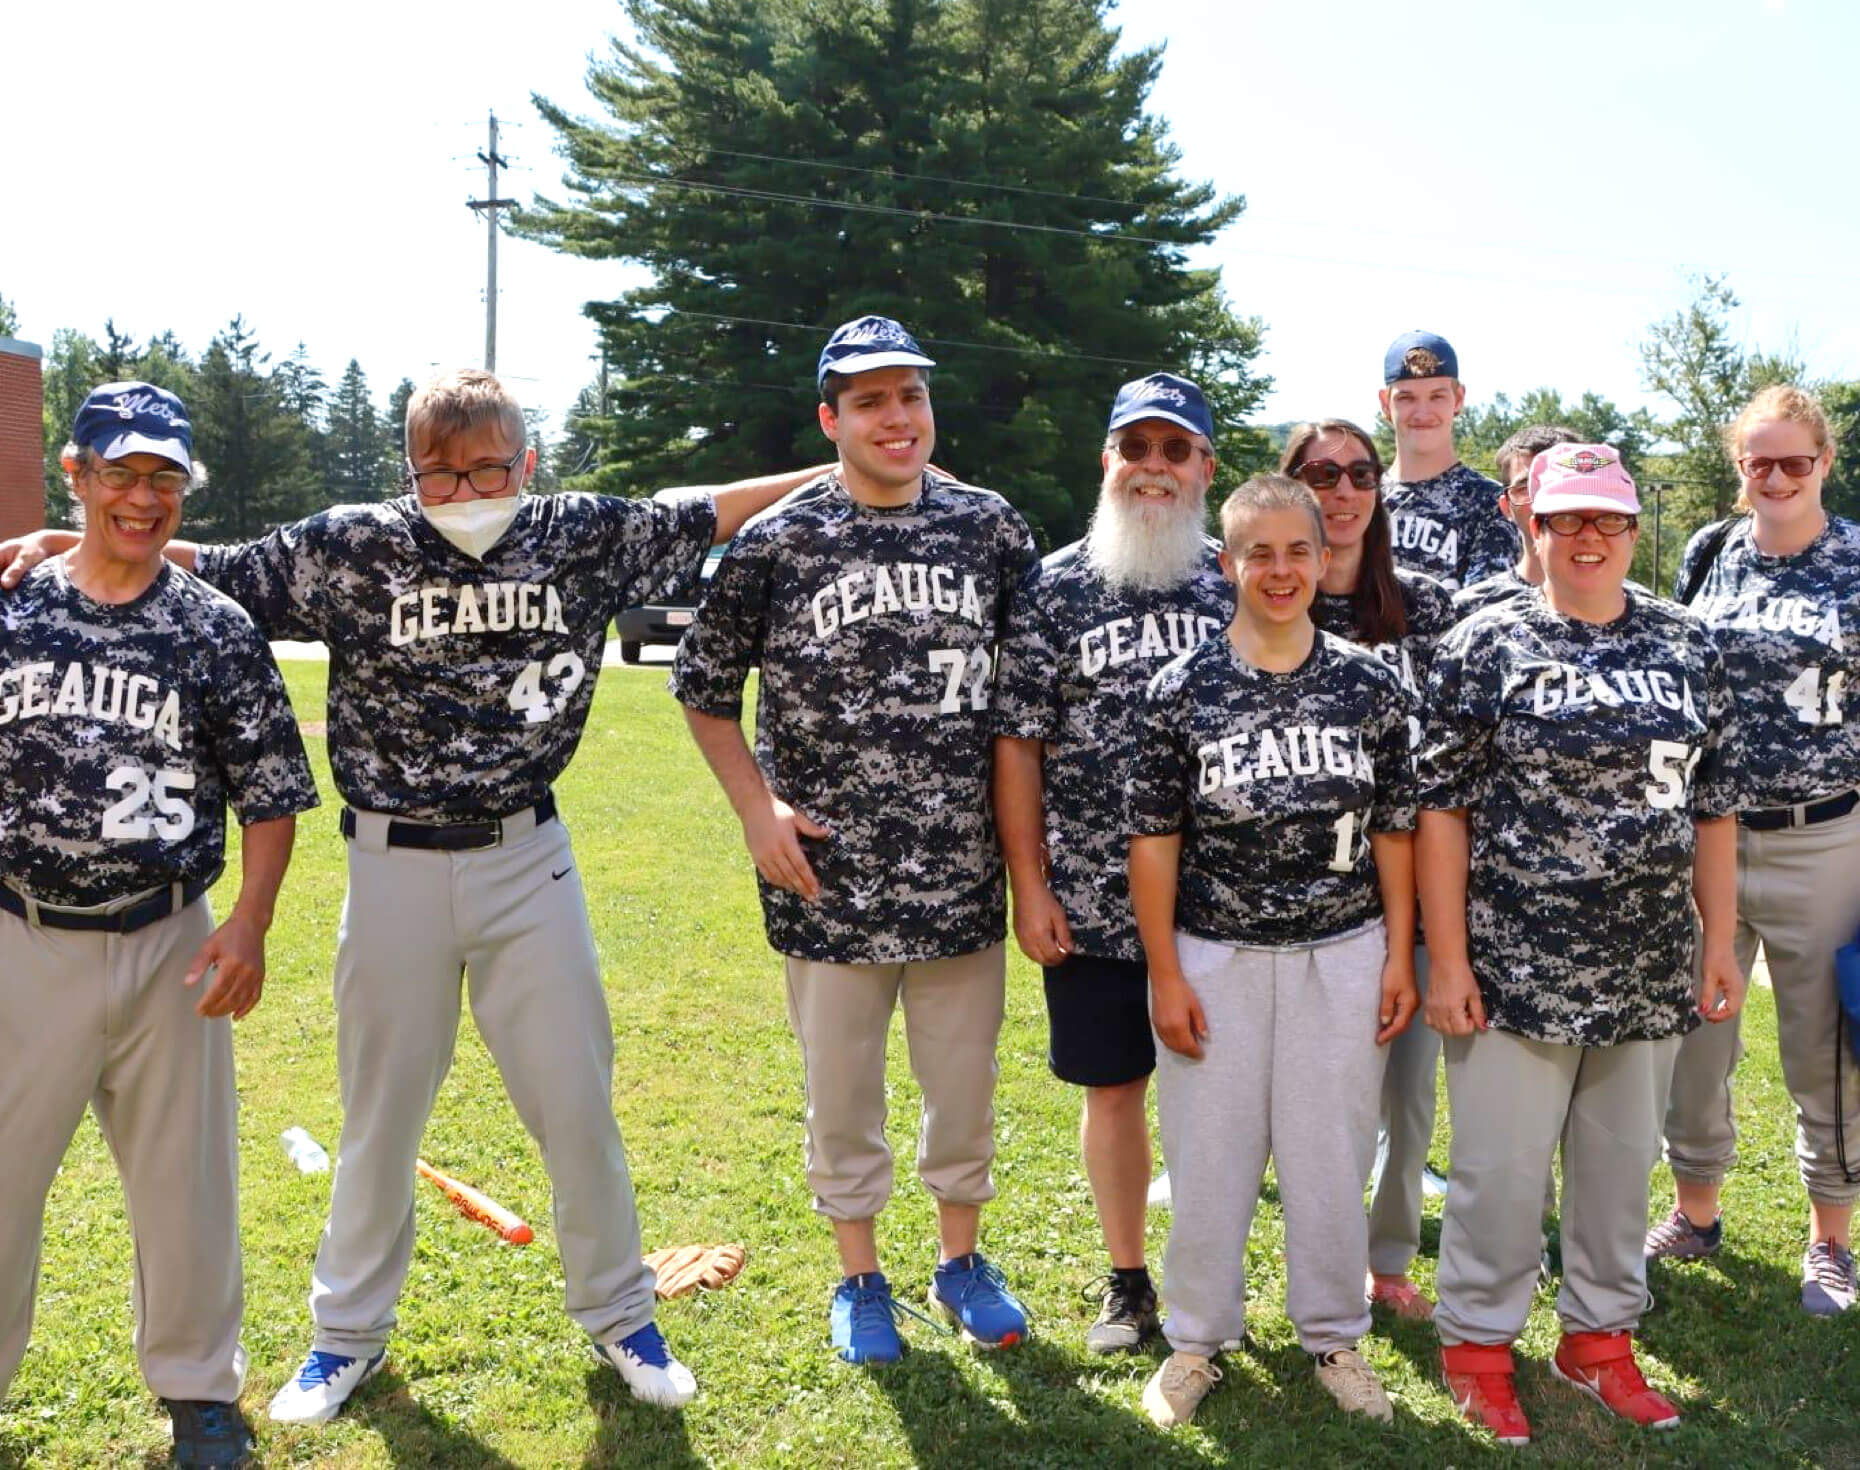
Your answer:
<point x="22" y="439"/>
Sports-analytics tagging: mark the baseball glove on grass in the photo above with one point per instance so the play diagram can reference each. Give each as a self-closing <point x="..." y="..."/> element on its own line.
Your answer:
<point x="683" y="1268"/>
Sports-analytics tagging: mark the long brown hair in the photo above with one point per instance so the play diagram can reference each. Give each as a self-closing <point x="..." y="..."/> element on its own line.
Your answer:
<point x="1375" y="601"/>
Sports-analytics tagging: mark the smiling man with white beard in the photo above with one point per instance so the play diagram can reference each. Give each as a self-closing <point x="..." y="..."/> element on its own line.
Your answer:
<point x="1093" y="624"/>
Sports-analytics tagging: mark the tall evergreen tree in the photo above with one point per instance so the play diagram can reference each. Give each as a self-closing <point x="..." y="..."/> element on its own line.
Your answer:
<point x="982" y="169"/>
<point x="72" y="367"/>
<point x="257" y="451"/>
<point x="9" y="318"/>
<point x="359" y="468"/>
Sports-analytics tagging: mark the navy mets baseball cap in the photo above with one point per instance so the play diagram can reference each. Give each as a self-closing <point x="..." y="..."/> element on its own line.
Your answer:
<point x="134" y="418"/>
<point x="869" y="342"/>
<point x="1162" y="396"/>
<point x="1419" y="355"/>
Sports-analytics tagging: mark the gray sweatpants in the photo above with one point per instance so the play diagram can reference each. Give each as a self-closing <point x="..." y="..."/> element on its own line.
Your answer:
<point x="1407" y="1127"/>
<point x="1798" y="893"/>
<point x="1290" y="1071"/>
<point x="841" y="1015"/>
<point x="104" y="1020"/>
<point x="1513" y="1099"/>
<point x="511" y="919"/>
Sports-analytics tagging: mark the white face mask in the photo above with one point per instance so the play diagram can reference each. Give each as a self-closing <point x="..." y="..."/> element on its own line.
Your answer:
<point x="474" y="526"/>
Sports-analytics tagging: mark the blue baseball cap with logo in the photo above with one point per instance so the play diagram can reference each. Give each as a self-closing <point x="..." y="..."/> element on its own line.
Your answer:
<point x="1419" y="355"/>
<point x="134" y="418"/>
<point x="869" y="342"/>
<point x="1162" y="396"/>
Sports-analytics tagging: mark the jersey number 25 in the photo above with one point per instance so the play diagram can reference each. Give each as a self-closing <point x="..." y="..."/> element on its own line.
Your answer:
<point x="130" y="819"/>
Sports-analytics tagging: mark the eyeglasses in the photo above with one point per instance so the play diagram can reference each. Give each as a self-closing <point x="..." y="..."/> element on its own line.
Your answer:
<point x="1795" y="466"/>
<point x="1518" y="492"/>
<point x="1135" y="448"/>
<point x="121" y="477"/>
<point x="1569" y="523"/>
<point x="444" y="484"/>
<point x="1323" y="474"/>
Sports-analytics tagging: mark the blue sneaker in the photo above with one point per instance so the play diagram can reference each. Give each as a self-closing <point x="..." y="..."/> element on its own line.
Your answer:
<point x="975" y="1296"/>
<point x="648" y="1368"/>
<point x="321" y="1387"/>
<point x="864" y="1320"/>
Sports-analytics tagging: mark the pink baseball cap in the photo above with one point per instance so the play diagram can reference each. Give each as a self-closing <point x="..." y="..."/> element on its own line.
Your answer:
<point x="1581" y="477"/>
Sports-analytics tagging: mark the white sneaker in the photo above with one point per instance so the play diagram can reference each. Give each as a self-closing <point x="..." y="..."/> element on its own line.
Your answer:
<point x="1827" y="1279"/>
<point x="1173" y="1395"/>
<point x="321" y="1387"/>
<point x="651" y="1372"/>
<point x="1354" y="1385"/>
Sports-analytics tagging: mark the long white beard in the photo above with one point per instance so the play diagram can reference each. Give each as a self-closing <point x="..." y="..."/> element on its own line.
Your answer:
<point x="1141" y="544"/>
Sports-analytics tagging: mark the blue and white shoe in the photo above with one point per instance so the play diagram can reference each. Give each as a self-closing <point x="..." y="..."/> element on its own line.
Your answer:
<point x="864" y="1320"/>
<point x="648" y="1368"/>
<point x="975" y="1296"/>
<point x="321" y="1387"/>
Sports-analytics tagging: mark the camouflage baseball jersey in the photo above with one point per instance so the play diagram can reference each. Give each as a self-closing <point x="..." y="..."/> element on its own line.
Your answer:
<point x="1078" y="656"/>
<point x="1583" y="753"/>
<point x="1490" y="592"/>
<point x="875" y="629"/>
<point x="457" y="687"/>
<point x="1450" y="527"/>
<point x="125" y="728"/>
<point x="1429" y="607"/>
<point x="1782" y="623"/>
<point x="1275" y="782"/>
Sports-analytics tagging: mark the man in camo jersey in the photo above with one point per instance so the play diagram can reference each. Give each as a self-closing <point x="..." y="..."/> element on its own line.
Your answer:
<point x="135" y="702"/>
<point x="872" y="602"/>
<point x="1446" y="522"/>
<point x="1514" y="467"/>
<point x="465" y="623"/>
<point x="1091" y="627"/>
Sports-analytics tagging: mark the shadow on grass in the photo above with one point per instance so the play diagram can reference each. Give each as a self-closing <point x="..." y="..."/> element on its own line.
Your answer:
<point x="631" y="1433"/>
<point x="1058" y="1419"/>
<point x="413" y="1434"/>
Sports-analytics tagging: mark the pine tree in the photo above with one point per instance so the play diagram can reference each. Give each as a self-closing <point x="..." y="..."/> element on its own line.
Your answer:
<point x="984" y="170"/>
<point x="256" y="449"/>
<point x="357" y="461"/>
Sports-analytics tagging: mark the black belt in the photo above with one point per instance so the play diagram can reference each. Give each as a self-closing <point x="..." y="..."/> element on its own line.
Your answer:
<point x="453" y="836"/>
<point x="158" y="905"/>
<point x="1770" y="819"/>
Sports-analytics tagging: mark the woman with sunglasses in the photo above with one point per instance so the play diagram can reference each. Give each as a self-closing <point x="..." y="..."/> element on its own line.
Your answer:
<point x="1577" y="776"/>
<point x="1272" y="878"/>
<point x="1399" y="615"/>
<point x="1782" y="597"/>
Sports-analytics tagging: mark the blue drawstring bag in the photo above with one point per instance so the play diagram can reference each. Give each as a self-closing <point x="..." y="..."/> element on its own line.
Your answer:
<point x="1847" y="978"/>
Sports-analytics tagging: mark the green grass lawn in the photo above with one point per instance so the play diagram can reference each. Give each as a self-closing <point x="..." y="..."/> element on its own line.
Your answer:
<point x="486" y="1370"/>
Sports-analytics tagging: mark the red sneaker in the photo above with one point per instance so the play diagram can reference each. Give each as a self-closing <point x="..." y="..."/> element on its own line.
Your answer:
<point x="1479" y="1376"/>
<point x="1602" y="1365"/>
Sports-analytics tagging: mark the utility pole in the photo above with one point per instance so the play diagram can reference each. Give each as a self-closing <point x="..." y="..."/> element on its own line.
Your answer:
<point x="490" y="204"/>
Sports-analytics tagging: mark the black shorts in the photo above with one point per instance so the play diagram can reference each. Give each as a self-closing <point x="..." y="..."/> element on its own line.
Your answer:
<point x="1098" y="1021"/>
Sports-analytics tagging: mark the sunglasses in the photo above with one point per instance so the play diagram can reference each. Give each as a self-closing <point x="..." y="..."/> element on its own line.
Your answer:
<point x="1795" y="466"/>
<point x="1518" y="492"/>
<point x="1135" y="448"/>
<point x="1323" y="474"/>
<point x="1569" y="523"/>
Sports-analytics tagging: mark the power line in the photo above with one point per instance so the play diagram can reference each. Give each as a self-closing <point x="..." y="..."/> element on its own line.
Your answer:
<point x="892" y="173"/>
<point x="928" y="216"/>
<point x="1057" y="353"/>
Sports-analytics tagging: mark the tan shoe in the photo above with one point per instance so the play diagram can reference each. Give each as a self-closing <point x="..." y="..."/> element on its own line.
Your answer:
<point x="1173" y="1395"/>
<point x="1354" y="1385"/>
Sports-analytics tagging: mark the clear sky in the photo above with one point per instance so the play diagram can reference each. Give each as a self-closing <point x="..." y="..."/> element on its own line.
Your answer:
<point x="1534" y="180"/>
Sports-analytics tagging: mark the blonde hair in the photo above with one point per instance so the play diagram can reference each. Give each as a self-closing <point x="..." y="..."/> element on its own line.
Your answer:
<point x="1269" y="492"/>
<point x="1783" y="403"/>
<point x="457" y="403"/>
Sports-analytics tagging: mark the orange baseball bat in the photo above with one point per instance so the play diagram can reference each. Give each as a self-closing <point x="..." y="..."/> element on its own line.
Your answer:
<point x="476" y="1206"/>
